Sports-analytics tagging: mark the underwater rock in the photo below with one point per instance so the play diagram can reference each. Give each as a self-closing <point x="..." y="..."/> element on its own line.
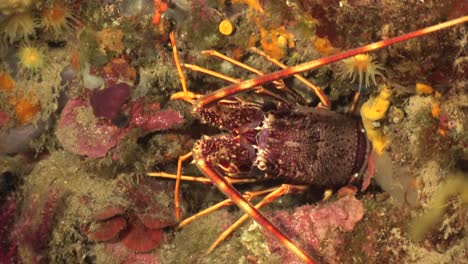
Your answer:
<point x="108" y="101"/>
<point x="319" y="226"/>
<point x="16" y="140"/>
<point x="80" y="132"/>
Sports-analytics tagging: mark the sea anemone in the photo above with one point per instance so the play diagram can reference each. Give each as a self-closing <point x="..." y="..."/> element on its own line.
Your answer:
<point x="19" y="26"/>
<point x="57" y="18"/>
<point x="362" y="65"/>
<point x="31" y="58"/>
<point x="15" y="6"/>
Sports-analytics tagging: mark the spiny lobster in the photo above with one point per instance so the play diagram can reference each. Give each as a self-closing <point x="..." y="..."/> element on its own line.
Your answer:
<point x="295" y="144"/>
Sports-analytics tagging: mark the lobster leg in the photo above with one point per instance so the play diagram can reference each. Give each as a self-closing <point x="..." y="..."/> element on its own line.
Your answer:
<point x="273" y="195"/>
<point x="223" y="185"/>
<point x="318" y="91"/>
<point x="248" y="196"/>
<point x="201" y="179"/>
<point x="177" y="184"/>
<point x="267" y="78"/>
<point x="278" y="83"/>
<point x="186" y="94"/>
<point x="197" y="68"/>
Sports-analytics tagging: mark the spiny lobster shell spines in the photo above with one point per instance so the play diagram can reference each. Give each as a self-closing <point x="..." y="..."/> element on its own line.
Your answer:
<point x="312" y="146"/>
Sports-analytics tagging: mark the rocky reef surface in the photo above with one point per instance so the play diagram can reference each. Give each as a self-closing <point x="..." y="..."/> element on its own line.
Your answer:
<point x="89" y="105"/>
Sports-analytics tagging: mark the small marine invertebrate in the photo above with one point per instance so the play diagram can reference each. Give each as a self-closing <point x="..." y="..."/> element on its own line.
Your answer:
<point x="226" y="27"/>
<point x="362" y="66"/>
<point x="372" y="110"/>
<point x="31" y="58"/>
<point x="57" y="18"/>
<point x="18" y="27"/>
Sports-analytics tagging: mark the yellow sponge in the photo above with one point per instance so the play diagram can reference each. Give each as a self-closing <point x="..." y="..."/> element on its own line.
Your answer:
<point x="372" y="110"/>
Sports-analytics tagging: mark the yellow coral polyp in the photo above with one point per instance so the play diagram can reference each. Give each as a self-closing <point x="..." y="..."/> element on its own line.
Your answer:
<point x="18" y="27"/>
<point x="57" y="18"/>
<point x="31" y="59"/>
<point x="375" y="109"/>
<point x="361" y="66"/>
<point x="226" y="27"/>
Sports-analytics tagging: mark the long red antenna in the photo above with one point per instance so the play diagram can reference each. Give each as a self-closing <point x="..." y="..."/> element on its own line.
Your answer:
<point x="261" y="80"/>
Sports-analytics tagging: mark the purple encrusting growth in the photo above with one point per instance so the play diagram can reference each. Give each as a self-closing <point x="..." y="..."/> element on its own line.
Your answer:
<point x="107" y="102"/>
<point x="8" y="249"/>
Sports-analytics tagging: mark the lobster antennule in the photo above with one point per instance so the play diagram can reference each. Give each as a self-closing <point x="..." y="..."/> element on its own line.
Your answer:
<point x="223" y="185"/>
<point x="281" y="74"/>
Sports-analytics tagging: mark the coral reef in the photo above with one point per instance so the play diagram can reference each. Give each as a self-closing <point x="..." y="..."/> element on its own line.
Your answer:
<point x="86" y="113"/>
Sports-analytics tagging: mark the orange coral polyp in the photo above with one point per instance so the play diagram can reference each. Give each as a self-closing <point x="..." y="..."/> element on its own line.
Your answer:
<point x="57" y="18"/>
<point x="25" y="108"/>
<point x="6" y="82"/>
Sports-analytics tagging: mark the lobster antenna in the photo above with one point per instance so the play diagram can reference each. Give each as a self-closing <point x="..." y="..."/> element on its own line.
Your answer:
<point x="261" y="80"/>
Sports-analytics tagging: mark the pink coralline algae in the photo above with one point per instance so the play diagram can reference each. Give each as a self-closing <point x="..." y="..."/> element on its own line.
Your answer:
<point x="34" y="228"/>
<point x="320" y="228"/>
<point x="108" y="101"/>
<point x="80" y="132"/>
<point x="151" y="118"/>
